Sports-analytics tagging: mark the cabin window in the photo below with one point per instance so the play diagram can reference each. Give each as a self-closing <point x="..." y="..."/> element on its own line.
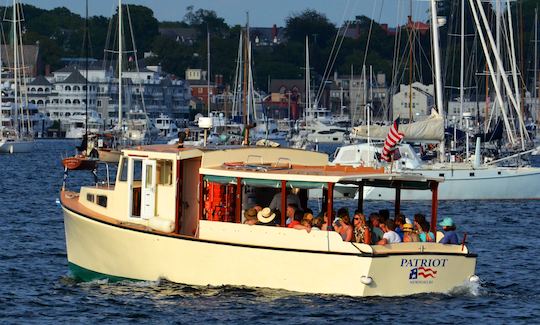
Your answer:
<point x="90" y="197"/>
<point x="441" y="175"/>
<point x="102" y="200"/>
<point x="471" y="174"/>
<point x="137" y="170"/>
<point x="164" y="170"/>
<point x="123" y="170"/>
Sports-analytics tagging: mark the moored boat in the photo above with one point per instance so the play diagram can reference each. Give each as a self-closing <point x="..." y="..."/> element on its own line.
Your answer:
<point x="176" y="213"/>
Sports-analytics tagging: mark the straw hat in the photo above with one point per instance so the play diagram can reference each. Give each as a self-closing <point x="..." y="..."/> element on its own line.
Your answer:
<point x="265" y="215"/>
<point x="407" y="227"/>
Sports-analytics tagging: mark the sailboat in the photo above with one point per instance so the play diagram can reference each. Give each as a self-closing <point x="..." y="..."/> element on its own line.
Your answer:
<point x="136" y="128"/>
<point x="468" y="180"/>
<point x="86" y="159"/>
<point x="19" y="136"/>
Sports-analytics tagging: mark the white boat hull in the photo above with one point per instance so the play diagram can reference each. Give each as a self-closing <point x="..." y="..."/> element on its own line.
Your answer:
<point x="16" y="146"/>
<point x="240" y="255"/>
<point x="469" y="184"/>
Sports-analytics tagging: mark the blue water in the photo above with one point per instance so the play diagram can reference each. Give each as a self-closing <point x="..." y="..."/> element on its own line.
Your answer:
<point x="37" y="288"/>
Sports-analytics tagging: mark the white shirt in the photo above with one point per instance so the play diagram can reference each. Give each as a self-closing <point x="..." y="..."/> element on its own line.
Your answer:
<point x="392" y="237"/>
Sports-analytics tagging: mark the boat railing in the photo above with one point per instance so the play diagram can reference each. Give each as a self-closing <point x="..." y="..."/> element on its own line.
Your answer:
<point x="107" y="181"/>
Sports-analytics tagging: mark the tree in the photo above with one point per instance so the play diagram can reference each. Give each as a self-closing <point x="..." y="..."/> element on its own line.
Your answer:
<point x="145" y="26"/>
<point x="204" y="20"/>
<point x="310" y="23"/>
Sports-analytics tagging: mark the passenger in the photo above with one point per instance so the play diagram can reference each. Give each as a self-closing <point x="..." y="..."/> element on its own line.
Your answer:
<point x="347" y="227"/>
<point x="338" y="227"/>
<point x="308" y="216"/>
<point x="297" y="218"/>
<point x="389" y="236"/>
<point x="409" y="235"/>
<point x="362" y="234"/>
<point x="384" y="215"/>
<point x="258" y="207"/>
<point x="422" y="227"/>
<point x="290" y="212"/>
<point x="182" y="136"/>
<point x="317" y="224"/>
<point x="305" y="224"/>
<point x="399" y="221"/>
<point x="376" y="232"/>
<point x="326" y="225"/>
<point x="266" y="217"/>
<point x="291" y="198"/>
<point x="250" y="217"/>
<point x="449" y="229"/>
<point x="341" y="212"/>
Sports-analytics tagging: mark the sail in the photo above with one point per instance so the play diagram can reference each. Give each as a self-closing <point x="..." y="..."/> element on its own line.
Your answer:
<point x="431" y="129"/>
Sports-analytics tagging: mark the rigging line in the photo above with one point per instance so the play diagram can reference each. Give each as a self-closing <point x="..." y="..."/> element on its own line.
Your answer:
<point x="328" y="67"/>
<point x="107" y="41"/>
<point x="136" y="60"/>
<point x="369" y="35"/>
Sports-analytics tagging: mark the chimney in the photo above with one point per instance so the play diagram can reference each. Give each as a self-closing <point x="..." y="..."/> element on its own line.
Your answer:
<point x="274" y="31"/>
<point x="47" y="69"/>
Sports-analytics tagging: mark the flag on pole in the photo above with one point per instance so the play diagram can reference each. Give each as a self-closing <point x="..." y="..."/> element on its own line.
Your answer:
<point x="392" y="139"/>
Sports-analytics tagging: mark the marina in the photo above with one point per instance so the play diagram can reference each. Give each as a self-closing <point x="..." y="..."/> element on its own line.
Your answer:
<point x="315" y="170"/>
<point x="34" y="239"/>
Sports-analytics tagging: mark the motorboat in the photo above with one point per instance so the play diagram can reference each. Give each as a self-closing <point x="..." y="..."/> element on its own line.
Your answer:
<point x="183" y="211"/>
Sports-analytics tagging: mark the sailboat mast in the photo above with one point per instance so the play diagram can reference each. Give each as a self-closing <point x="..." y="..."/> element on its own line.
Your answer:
<point x="15" y="65"/>
<point x="308" y="84"/>
<point x="437" y="66"/>
<point x="245" y="79"/>
<point x="411" y="42"/>
<point x="535" y="91"/>
<point x="462" y="64"/>
<point x="86" y="72"/>
<point x="120" y="52"/>
<point x="208" y="67"/>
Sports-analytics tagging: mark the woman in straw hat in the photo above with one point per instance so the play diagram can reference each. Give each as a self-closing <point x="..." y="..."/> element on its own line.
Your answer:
<point x="408" y="234"/>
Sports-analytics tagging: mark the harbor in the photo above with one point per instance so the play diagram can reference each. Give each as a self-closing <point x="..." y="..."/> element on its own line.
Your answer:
<point x="194" y="170"/>
<point x="41" y="288"/>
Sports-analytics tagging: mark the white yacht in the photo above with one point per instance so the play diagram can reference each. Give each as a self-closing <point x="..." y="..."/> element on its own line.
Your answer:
<point x="166" y="126"/>
<point x="463" y="180"/>
<point x="76" y="124"/>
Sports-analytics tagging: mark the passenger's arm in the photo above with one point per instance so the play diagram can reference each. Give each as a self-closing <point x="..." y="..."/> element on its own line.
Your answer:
<point x="349" y="236"/>
<point x="367" y="236"/>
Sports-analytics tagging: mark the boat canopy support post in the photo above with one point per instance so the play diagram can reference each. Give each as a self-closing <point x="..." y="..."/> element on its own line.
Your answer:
<point x="330" y="204"/>
<point x="360" y="206"/>
<point x="179" y="199"/>
<point x="238" y="209"/>
<point x="201" y="196"/>
<point x="283" y="202"/>
<point x="397" y="205"/>
<point x="434" y="207"/>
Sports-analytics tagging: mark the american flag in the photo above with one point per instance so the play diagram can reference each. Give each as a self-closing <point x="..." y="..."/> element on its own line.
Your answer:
<point x="393" y="138"/>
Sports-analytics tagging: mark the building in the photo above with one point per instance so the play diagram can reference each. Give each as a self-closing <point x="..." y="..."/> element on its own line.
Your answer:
<point x="352" y="93"/>
<point x="200" y="87"/>
<point x="420" y="106"/>
<point x="148" y="90"/>
<point x="286" y="99"/>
